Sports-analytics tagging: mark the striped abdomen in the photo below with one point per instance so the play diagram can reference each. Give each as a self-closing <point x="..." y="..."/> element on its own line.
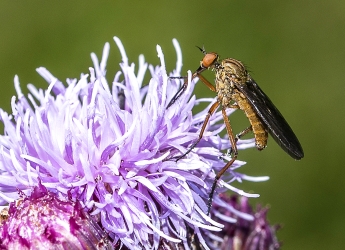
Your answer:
<point x="260" y="133"/>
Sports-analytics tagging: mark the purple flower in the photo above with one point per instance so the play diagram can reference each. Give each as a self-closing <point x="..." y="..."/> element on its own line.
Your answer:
<point x="44" y="221"/>
<point x="243" y="228"/>
<point x="109" y="147"/>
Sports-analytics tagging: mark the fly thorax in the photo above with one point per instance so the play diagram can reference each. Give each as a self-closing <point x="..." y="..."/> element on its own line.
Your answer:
<point x="234" y="68"/>
<point x="224" y="88"/>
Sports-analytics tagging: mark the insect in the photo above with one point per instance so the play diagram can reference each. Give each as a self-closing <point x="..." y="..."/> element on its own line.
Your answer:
<point x="236" y="89"/>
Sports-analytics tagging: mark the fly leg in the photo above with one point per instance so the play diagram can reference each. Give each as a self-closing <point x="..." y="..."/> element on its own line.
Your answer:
<point x="244" y="132"/>
<point x="234" y="154"/>
<point x="238" y="136"/>
<point x="184" y="86"/>
<point x="210" y="111"/>
<point x="203" y="128"/>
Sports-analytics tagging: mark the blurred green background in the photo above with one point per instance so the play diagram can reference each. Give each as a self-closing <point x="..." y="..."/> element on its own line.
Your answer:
<point x="295" y="50"/>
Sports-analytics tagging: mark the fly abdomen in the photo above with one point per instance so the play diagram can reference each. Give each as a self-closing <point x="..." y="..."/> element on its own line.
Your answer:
<point x="260" y="133"/>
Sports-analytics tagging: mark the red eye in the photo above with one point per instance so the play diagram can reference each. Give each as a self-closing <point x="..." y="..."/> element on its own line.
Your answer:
<point x="209" y="59"/>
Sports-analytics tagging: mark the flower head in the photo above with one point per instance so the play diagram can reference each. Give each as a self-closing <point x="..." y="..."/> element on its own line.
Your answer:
<point x="243" y="228"/>
<point x="44" y="221"/>
<point x="108" y="147"/>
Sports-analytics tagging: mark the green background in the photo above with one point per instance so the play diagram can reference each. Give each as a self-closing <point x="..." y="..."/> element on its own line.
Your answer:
<point x="294" y="49"/>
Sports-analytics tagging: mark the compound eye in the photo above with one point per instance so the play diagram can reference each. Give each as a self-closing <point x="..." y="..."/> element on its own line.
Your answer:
<point x="209" y="59"/>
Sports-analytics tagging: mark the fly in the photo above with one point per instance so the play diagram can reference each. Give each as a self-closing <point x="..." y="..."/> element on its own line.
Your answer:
<point x="237" y="89"/>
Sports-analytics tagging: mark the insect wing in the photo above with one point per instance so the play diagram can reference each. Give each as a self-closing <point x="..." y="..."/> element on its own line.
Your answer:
<point x="277" y="126"/>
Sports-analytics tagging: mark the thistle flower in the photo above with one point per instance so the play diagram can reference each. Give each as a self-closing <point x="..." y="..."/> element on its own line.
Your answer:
<point x="44" y="221"/>
<point x="109" y="147"/>
<point x="244" y="228"/>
